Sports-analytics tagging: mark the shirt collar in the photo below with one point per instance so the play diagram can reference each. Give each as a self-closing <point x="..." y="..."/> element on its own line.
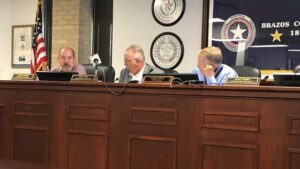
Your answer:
<point x="139" y="75"/>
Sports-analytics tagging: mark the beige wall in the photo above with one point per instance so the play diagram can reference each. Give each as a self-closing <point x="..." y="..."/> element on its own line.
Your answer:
<point x="72" y="27"/>
<point x="13" y="12"/>
<point x="85" y="30"/>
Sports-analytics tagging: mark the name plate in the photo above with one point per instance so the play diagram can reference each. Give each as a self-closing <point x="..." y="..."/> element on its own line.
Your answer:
<point x="23" y="76"/>
<point x="243" y="81"/>
<point x="158" y="79"/>
<point x="77" y="77"/>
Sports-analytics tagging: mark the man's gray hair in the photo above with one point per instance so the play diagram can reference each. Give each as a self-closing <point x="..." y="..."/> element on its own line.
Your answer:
<point x="137" y="50"/>
<point x="213" y="54"/>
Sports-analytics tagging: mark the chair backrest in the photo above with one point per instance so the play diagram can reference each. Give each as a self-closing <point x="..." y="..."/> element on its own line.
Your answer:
<point x="247" y="71"/>
<point x="105" y="73"/>
<point x="170" y="71"/>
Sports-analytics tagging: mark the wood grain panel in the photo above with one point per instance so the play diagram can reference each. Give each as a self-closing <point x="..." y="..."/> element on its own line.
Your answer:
<point x="225" y="156"/>
<point x="32" y="108"/>
<point x="294" y="124"/>
<point x="31" y="144"/>
<point x="293" y="158"/>
<point x="240" y="121"/>
<point x="150" y="152"/>
<point x="88" y="112"/>
<point x="87" y="149"/>
<point x="2" y="133"/>
<point x="1" y="108"/>
<point x="152" y="115"/>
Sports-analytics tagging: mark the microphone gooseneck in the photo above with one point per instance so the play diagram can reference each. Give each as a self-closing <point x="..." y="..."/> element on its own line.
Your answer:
<point x="297" y="70"/>
<point x="265" y="78"/>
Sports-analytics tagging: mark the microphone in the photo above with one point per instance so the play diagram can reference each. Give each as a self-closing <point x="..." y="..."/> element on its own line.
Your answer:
<point x="265" y="78"/>
<point x="297" y="70"/>
<point x="95" y="60"/>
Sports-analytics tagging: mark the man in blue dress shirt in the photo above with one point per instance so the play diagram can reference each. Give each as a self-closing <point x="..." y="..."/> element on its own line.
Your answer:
<point x="210" y="68"/>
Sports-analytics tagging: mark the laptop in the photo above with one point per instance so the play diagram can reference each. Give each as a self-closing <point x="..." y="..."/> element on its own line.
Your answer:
<point x="55" y="76"/>
<point x="186" y="78"/>
<point x="286" y="79"/>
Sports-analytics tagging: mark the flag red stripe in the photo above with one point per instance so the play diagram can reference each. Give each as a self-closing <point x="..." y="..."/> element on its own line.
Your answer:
<point x="39" y="56"/>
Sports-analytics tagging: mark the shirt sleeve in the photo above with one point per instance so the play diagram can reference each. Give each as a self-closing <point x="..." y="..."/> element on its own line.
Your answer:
<point x="211" y="81"/>
<point x="195" y="70"/>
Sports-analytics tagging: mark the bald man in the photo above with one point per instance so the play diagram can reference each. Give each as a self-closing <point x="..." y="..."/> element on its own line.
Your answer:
<point x="67" y="62"/>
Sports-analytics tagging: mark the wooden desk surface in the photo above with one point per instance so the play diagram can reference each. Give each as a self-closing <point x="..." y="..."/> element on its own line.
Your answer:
<point x="82" y="125"/>
<point x="12" y="164"/>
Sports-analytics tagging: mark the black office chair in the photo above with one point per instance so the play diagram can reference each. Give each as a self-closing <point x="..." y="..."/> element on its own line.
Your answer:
<point x="105" y="73"/>
<point x="170" y="71"/>
<point x="247" y="71"/>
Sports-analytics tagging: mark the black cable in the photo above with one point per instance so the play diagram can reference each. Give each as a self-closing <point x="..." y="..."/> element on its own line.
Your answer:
<point x="110" y="90"/>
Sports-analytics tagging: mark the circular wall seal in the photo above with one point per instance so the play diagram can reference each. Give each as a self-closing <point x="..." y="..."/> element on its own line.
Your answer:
<point x="167" y="50"/>
<point x="238" y="28"/>
<point x="168" y="12"/>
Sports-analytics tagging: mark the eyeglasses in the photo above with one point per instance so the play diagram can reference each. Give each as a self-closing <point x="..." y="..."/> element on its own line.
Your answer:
<point x="129" y="60"/>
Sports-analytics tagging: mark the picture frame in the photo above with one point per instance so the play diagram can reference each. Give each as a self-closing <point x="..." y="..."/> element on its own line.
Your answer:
<point x="168" y="13"/>
<point x="21" y="48"/>
<point x="167" y="50"/>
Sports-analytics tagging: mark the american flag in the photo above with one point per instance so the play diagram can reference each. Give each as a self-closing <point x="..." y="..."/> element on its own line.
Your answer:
<point x="39" y="57"/>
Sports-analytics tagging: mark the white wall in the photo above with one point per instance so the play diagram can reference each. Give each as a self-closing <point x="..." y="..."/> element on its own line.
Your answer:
<point x="5" y="42"/>
<point x="13" y="12"/>
<point x="133" y="23"/>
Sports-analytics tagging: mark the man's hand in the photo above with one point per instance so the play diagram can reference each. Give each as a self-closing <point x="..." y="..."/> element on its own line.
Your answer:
<point x="208" y="71"/>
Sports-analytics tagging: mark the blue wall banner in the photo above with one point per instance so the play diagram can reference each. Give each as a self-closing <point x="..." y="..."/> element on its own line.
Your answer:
<point x="264" y="34"/>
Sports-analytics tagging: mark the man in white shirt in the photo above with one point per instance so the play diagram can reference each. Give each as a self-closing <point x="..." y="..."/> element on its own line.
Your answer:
<point x="134" y="60"/>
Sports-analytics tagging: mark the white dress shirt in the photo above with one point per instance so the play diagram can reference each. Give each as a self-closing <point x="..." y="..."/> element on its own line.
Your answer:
<point x="139" y="76"/>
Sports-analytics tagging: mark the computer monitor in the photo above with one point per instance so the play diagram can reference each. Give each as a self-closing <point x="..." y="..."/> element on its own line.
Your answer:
<point x="55" y="76"/>
<point x="187" y="78"/>
<point x="286" y="79"/>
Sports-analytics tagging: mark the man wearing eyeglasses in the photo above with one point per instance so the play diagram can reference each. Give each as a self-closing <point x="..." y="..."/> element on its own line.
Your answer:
<point x="134" y="60"/>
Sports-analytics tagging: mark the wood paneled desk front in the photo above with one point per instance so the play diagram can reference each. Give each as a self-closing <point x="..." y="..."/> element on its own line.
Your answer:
<point x="83" y="126"/>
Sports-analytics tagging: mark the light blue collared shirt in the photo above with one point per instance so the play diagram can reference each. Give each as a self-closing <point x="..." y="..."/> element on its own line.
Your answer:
<point x="221" y="74"/>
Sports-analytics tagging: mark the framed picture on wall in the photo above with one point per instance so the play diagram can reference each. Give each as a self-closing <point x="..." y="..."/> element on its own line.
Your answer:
<point x="167" y="50"/>
<point x="168" y="12"/>
<point x="21" y="46"/>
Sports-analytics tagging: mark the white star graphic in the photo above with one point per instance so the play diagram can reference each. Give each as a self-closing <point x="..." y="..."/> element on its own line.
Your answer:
<point x="238" y="32"/>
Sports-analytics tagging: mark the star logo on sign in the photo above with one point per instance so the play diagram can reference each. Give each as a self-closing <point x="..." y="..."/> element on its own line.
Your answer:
<point x="238" y="32"/>
<point x="276" y="36"/>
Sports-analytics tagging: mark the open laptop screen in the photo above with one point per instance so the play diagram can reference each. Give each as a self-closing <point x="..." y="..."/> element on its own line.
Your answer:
<point x="286" y="79"/>
<point x="179" y="77"/>
<point x="55" y="76"/>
